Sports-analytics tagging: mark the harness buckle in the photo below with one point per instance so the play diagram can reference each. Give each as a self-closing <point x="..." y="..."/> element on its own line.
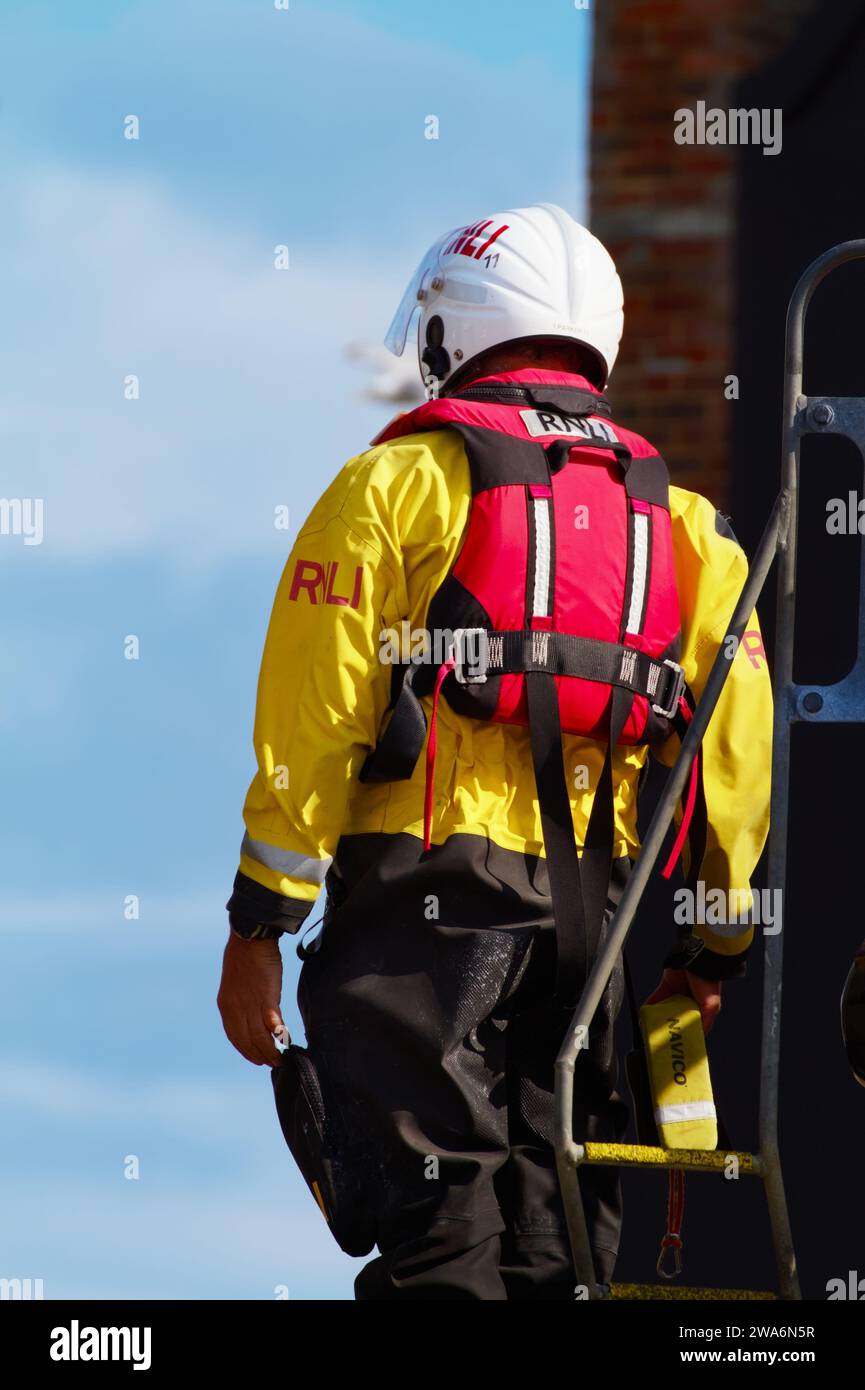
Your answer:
<point x="667" y="711"/>
<point x="471" y="652"/>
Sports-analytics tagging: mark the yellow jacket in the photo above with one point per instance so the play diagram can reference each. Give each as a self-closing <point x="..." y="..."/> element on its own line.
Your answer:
<point x="370" y="556"/>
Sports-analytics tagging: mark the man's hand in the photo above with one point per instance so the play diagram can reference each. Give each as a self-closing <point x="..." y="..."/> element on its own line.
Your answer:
<point x="706" y="994"/>
<point x="249" y="998"/>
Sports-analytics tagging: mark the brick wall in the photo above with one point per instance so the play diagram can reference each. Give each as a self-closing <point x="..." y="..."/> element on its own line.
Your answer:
<point x="667" y="211"/>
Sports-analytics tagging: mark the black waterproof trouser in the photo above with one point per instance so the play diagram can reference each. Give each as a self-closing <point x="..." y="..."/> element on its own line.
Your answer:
<point x="439" y="1043"/>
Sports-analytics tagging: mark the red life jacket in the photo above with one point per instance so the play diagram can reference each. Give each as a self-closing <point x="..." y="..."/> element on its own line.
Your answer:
<point x="564" y="607"/>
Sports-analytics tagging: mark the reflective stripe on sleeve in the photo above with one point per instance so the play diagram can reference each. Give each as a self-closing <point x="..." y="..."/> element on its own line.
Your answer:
<point x="286" y="861"/>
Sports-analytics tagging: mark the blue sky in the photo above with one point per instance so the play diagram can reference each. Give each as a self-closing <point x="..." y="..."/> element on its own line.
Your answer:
<point x="154" y="257"/>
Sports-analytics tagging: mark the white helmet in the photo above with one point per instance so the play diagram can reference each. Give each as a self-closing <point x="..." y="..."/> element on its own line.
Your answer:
<point x="528" y="273"/>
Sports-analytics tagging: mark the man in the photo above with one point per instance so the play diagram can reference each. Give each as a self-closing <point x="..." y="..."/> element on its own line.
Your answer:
<point x="460" y="920"/>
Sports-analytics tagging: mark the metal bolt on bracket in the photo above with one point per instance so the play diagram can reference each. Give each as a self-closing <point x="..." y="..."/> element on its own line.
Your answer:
<point x="821" y="413"/>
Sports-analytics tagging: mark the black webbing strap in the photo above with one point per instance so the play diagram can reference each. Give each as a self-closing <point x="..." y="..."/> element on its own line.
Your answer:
<point x="563" y="865"/>
<point x="395" y="754"/>
<point x="591" y="658"/>
<point x="559" y="451"/>
<point x="578" y="886"/>
<point x="646" y="479"/>
<point x="598" y="848"/>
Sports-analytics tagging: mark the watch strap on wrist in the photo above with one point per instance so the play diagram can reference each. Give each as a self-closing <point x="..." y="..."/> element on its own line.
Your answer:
<point x="249" y="930"/>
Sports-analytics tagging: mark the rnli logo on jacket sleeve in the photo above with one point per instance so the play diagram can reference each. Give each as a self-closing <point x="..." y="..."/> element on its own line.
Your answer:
<point x="546" y="422"/>
<point x="319" y="583"/>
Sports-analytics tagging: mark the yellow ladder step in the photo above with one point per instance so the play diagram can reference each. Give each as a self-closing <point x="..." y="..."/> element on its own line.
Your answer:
<point x="682" y="1292"/>
<point x="646" y="1156"/>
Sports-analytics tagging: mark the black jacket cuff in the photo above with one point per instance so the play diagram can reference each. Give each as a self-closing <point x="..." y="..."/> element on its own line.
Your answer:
<point x="252" y="904"/>
<point x="691" y="954"/>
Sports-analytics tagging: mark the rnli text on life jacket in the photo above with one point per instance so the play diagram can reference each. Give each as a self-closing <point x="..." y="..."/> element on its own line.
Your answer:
<point x="543" y="422"/>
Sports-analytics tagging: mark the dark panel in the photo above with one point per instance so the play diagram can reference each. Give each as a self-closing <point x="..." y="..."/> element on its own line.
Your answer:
<point x="792" y="207"/>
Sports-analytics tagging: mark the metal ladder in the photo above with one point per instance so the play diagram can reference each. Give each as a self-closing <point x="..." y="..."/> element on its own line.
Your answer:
<point x="844" y="701"/>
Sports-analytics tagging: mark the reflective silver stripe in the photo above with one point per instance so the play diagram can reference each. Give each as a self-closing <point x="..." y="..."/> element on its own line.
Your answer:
<point x="641" y="561"/>
<point x="688" y="1110"/>
<point x="285" y="861"/>
<point x="541" y="598"/>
